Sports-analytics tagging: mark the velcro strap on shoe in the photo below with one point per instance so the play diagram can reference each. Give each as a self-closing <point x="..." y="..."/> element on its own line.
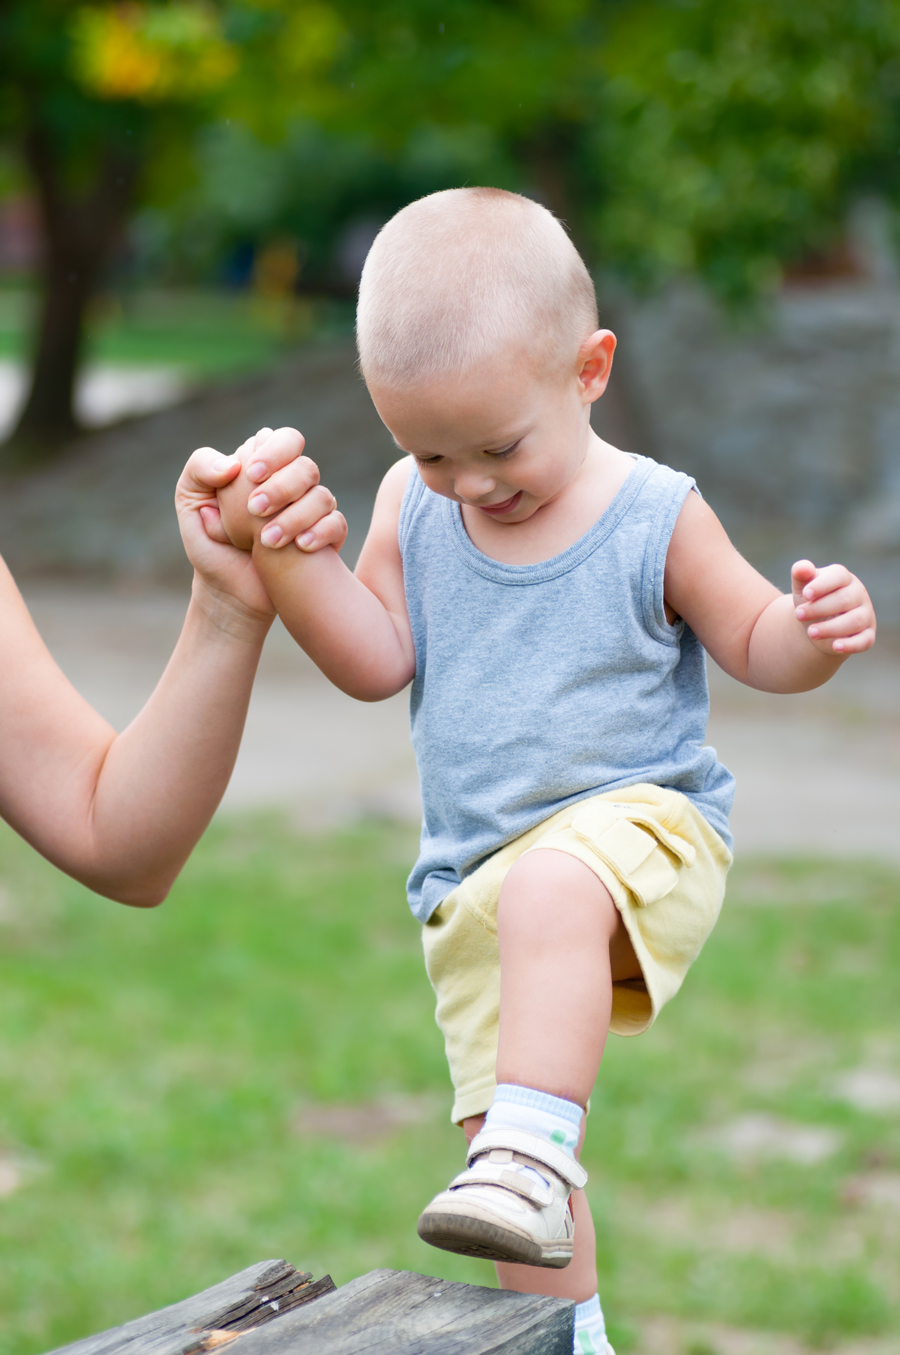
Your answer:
<point x="487" y="1173"/>
<point x="541" y="1153"/>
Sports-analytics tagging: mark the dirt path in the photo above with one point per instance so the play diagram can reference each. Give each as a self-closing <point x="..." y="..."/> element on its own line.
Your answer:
<point x="818" y="773"/>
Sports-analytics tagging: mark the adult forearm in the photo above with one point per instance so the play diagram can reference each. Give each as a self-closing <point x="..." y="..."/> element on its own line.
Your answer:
<point x="163" y="777"/>
<point x="344" y="628"/>
<point x="781" y="657"/>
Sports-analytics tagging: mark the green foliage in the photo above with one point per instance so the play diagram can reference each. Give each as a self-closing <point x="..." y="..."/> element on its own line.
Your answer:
<point x="149" y="54"/>
<point x="312" y="185"/>
<point x="38" y="86"/>
<point x="737" y="135"/>
<point x="155" y="1067"/>
<point x="205" y="332"/>
<point x="675" y="135"/>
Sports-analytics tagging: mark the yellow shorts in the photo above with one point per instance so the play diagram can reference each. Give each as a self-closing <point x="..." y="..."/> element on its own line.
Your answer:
<point x="665" y="868"/>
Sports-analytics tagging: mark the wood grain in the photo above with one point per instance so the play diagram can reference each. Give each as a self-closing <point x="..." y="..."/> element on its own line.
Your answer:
<point x="389" y="1312"/>
<point x="268" y="1310"/>
<point x="252" y="1298"/>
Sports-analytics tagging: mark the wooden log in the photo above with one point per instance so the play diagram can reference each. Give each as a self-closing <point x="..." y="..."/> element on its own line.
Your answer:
<point x="216" y="1317"/>
<point x="267" y="1310"/>
<point x="393" y="1312"/>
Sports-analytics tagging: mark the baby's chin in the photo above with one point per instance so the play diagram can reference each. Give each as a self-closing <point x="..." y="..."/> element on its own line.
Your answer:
<point x="523" y="512"/>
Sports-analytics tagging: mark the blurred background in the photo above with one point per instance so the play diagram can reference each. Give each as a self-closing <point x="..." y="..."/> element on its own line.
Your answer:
<point x="187" y="195"/>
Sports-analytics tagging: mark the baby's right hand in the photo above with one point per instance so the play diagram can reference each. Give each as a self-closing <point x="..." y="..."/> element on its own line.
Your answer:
<point x="277" y="498"/>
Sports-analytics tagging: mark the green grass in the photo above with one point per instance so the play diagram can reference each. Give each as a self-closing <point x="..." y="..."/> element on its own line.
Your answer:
<point x="152" y="1066"/>
<point x="205" y="332"/>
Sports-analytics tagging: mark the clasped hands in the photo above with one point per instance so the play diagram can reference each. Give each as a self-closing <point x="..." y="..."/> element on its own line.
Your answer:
<point x="275" y="497"/>
<point x="218" y="528"/>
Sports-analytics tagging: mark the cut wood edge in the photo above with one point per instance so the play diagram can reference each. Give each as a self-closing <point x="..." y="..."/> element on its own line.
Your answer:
<point x="243" y="1302"/>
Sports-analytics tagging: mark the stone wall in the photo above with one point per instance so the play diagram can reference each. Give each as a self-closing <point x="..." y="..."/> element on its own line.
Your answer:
<point x="792" y="430"/>
<point x="791" y="427"/>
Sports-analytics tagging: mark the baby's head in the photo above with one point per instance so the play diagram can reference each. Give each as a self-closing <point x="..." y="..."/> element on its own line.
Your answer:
<point x="461" y="277"/>
<point x="477" y="331"/>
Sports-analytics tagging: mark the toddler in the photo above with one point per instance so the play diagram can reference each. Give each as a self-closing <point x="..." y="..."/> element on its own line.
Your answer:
<point x="550" y="598"/>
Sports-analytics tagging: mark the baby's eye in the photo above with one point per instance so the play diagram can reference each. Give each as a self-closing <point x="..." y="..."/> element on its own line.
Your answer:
<point x="427" y="460"/>
<point x="503" y="452"/>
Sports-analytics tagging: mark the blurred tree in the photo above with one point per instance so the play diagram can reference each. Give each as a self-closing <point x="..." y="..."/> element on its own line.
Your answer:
<point x="738" y="135"/>
<point x="102" y="100"/>
<point x="672" y="135"/>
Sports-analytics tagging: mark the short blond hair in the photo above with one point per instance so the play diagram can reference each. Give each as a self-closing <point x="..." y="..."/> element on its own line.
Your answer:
<point x="458" y="276"/>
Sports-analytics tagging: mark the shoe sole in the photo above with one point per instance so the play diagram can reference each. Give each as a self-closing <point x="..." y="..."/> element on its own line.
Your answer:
<point x="467" y="1236"/>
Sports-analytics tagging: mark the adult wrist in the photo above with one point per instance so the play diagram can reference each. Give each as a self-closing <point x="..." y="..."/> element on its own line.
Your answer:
<point x="227" y="614"/>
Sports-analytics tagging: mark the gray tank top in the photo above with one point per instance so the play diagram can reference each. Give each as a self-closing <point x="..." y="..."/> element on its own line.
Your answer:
<point x="539" y="685"/>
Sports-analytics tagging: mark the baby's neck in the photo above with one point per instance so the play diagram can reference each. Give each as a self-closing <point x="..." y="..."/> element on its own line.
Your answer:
<point x="560" y="523"/>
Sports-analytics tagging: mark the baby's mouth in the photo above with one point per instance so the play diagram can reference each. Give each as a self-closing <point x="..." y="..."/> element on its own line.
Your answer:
<point x="497" y="509"/>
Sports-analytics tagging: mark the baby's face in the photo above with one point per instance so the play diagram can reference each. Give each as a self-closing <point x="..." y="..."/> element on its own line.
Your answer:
<point x="500" y="440"/>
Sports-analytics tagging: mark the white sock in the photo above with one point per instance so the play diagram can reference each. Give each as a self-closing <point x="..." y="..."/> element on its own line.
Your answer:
<point x="549" y="1117"/>
<point x="590" y="1329"/>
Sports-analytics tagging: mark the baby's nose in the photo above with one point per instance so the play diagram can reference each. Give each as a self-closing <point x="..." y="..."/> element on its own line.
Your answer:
<point x="474" y="486"/>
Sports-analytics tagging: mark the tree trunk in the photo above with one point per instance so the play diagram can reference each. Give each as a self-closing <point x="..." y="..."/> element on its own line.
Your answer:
<point x="80" y="230"/>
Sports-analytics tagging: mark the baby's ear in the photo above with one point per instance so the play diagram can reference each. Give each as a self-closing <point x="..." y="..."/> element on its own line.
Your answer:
<point x="595" y="357"/>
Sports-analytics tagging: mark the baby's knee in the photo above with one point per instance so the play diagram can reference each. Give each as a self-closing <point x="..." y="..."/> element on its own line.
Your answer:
<point x="547" y="878"/>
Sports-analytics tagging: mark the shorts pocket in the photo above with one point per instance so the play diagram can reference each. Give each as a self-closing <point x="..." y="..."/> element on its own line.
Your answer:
<point x="646" y="857"/>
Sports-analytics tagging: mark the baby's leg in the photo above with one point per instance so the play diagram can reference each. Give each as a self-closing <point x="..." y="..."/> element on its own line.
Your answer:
<point x="562" y="942"/>
<point x="579" y="1280"/>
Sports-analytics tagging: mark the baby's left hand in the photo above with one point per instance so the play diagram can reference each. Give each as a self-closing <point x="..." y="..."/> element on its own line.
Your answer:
<point x="834" y="607"/>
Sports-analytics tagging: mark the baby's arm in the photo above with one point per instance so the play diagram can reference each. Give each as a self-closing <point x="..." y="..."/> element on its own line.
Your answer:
<point x="355" y="627"/>
<point x="772" y="641"/>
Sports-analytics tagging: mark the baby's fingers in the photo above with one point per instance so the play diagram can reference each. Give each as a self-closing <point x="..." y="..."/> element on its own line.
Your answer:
<point x="299" y="517"/>
<point x="855" y="644"/>
<point x="284" y="487"/>
<point x="827" y="580"/>
<point x="328" y="531"/>
<point x="271" y="451"/>
<point x="848" y="624"/>
<point x="834" y="603"/>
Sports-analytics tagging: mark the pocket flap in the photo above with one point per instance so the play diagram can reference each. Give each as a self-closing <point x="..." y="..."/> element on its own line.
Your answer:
<point x="624" y="844"/>
<point x="678" y="846"/>
<point x="631" y="847"/>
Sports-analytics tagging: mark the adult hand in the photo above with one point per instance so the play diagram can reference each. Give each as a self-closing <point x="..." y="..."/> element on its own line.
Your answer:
<point x="228" y="574"/>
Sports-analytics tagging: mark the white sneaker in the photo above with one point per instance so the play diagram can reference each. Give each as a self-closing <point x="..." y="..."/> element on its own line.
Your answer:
<point x="510" y="1204"/>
